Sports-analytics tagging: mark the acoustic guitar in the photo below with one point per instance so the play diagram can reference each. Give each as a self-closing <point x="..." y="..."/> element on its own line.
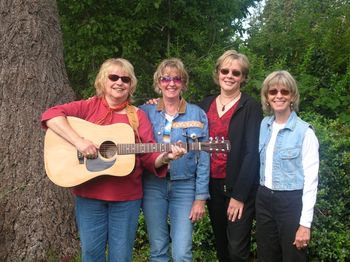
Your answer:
<point x="67" y="167"/>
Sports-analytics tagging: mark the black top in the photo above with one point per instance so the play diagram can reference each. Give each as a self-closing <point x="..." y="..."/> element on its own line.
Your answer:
<point x="243" y="161"/>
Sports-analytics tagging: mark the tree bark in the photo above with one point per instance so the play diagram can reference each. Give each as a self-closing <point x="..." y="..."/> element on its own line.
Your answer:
<point x="36" y="217"/>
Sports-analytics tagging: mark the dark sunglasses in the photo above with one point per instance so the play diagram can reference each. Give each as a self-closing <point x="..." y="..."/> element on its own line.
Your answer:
<point x="225" y="71"/>
<point x="115" y="78"/>
<point x="284" y="92"/>
<point x="168" y="79"/>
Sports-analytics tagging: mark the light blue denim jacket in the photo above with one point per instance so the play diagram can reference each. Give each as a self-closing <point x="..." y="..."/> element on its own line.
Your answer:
<point x="189" y="124"/>
<point x="287" y="166"/>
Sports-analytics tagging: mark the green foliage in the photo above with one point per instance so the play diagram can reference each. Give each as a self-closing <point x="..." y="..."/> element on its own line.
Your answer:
<point x="141" y="246"/>
<point x="203" y="241"/>
<point x="146" y="32"/>
<point x="331" y="226"/>
<point x="311" y="39"/>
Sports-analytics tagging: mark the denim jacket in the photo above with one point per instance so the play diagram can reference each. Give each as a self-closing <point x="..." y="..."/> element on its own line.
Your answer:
<point x="287" y="167"/>
<point x="189" y="125"/>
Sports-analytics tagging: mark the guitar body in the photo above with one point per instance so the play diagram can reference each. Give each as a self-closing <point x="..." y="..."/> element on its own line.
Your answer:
<point x="66" y="168"/>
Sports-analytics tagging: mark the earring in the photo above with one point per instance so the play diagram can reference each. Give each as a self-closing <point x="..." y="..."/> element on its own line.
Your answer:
<point x="291" y="105"/>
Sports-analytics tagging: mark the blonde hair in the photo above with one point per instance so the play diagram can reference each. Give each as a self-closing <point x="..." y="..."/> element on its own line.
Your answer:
<point x="282" y="78"/>
<point x="227" y="57"/>
<point x="173" y="63"/>
<point x="124" y="65"/>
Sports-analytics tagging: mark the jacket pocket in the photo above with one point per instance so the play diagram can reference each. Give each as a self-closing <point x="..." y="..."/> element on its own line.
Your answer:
<point x="290" y="159"/>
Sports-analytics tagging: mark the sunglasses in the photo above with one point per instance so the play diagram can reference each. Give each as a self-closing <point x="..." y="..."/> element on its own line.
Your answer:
<point x="168" y="79"/>
<point x="226" y="71"/>
<point x="115" y="78"/>
<point x="284" y="92"/>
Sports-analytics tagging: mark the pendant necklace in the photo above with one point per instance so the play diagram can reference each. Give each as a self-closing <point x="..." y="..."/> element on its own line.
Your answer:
<point x="224" y="105"/>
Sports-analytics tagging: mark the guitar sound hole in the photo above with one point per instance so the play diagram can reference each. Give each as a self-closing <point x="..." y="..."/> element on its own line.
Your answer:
<point x="108" y="149"/>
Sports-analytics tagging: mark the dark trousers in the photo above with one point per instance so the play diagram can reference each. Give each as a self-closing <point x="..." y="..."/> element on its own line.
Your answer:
<point x="232" y="239"/>
<point x="277" y="221"/>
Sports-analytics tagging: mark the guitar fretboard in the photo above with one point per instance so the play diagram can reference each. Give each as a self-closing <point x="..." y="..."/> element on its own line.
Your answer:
<point x="126" y="149"/>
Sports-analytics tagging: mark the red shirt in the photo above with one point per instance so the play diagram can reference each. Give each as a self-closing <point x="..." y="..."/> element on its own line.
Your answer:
<point x="218" y="127"/>
<point x="110" y="188"/>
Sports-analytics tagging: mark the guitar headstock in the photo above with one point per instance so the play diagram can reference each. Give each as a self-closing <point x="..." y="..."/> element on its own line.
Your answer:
<point x="216" y="146"/>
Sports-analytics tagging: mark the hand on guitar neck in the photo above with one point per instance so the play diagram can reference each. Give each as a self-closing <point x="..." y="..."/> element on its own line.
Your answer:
<point x="177" y="151"/>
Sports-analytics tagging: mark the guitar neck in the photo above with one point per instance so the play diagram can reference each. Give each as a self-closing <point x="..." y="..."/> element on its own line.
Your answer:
<point x="126" y="149"/>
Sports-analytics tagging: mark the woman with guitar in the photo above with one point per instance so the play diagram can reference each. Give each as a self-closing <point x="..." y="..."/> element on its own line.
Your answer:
<point x="180" y="197"/>
<point x="107" y="207"/>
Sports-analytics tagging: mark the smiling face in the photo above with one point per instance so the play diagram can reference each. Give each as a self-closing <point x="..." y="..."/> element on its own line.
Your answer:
<point x="279" y="98"/>
<point x="230" y="76"/>
<point x="170" y="83"/>
<point x="280" y="94"/>
<point x="117" y="88"/>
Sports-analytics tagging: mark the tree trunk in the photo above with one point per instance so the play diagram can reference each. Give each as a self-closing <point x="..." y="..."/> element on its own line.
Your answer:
<point x="36" y="217"/>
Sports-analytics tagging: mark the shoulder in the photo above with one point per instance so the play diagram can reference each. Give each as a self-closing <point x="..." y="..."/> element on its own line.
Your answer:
<point x="92" y="100"/>
<point x="206" y="101"/>
<point x="147" y="108"/>
<point x="248" y="100"/>
<point x="194" y="110"/>
<point x="303" y="124"/>
<point x="194" y="107"/>
<point x="267" y="120"/>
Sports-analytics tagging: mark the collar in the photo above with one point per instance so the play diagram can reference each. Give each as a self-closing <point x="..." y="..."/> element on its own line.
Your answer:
<point x="291" y="122"/>
<point x="182" y="106"/>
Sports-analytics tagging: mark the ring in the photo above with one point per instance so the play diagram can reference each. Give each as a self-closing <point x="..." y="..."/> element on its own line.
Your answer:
<point x="305" y="245"/>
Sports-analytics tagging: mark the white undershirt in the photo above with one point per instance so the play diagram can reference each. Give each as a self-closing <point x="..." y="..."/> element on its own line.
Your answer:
<point x="310" y="161"/>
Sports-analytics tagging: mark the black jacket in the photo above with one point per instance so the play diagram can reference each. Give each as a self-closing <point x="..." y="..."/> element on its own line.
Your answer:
<point x="242" y="167"/>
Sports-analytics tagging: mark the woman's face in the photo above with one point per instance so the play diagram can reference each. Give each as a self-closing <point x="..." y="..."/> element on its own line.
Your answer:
<point x="279" y="97"/>
<point x="170" y="83"/>
<point x="117" y="86"/>
<point x="230" y="76"/>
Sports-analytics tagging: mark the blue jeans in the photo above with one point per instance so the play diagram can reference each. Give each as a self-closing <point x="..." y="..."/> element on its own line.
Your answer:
<point x="106" y="222"/>
<point x="164" y="199"/>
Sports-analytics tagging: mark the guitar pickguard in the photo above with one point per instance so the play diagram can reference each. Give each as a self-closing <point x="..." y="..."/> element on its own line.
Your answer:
<point x="97" y="164"/>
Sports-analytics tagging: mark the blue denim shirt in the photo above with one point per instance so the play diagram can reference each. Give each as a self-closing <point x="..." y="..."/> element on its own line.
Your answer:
<point x="287" y="167"/>
<point x="189" y="125"/>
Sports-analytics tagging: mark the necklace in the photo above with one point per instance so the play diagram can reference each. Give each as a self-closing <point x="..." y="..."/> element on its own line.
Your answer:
<point x="235" y="98"/>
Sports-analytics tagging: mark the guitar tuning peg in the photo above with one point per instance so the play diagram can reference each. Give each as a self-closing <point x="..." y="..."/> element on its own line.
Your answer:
<point x="222" y="139"/>
<point x="216" y="139"/>
<point x="210" y="139"/>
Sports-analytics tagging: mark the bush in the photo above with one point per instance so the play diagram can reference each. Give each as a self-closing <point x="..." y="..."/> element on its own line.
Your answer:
<point x="331" y="226"/>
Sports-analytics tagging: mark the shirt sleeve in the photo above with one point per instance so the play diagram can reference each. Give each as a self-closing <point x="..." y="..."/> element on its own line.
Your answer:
<point x="310" y="162"/>
<point x="76" y="108"/>
<point x="203" y="165"/>
<point x="146" y="135"/>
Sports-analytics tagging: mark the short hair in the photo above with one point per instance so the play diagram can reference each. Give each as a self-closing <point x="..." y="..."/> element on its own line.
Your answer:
<point x="173" y="63"/>
<point x="229" y="56"/>
<point x="285" y="79"/>
<point x="124" y="65"/>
